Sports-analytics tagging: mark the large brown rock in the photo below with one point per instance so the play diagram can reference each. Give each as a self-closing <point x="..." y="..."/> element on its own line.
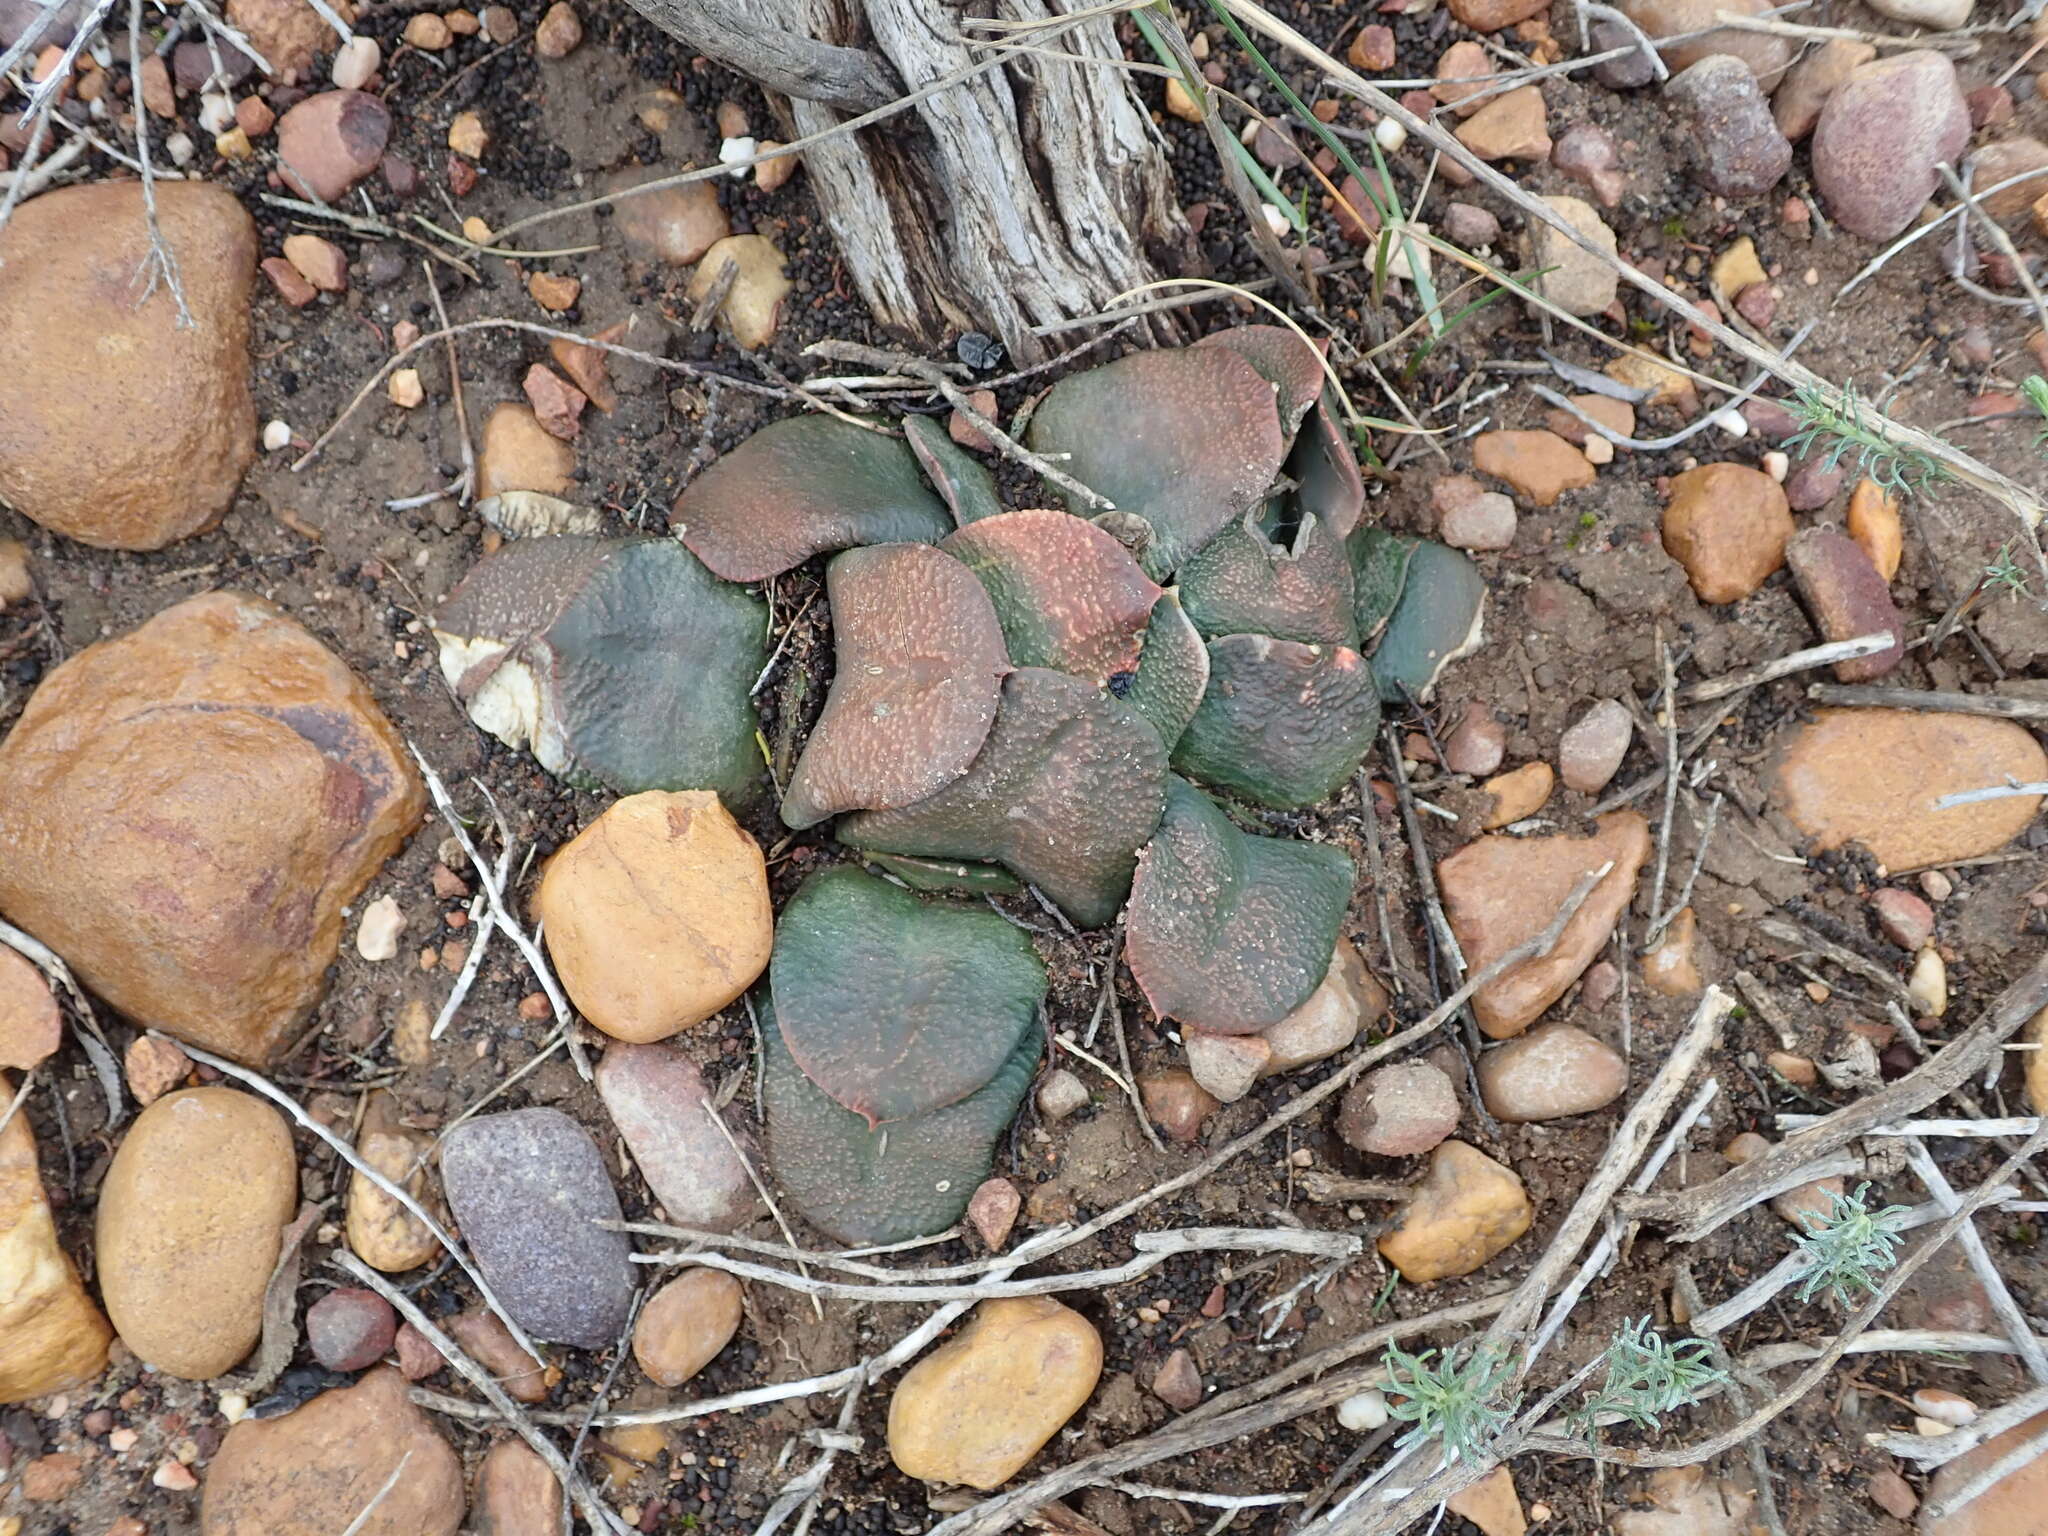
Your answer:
<point x="186" y="810"/>
<point x="657" y="913"/>
<point x="288" y="33"/>
<point x="516" y="1494"/>
<point x="1881" y="137"/>
<point x="318" y="1468"/>
<point x="1765" y="54"/>
<point x="1502" y="891"/>
<point x="978" y="1407"/>
<point x="120" y="427"/>
<point x="189" y="1222"/>
<point x="2012" y="1506"/>
<point x="51" y="1335"/>
<point x="1871" y="776"/>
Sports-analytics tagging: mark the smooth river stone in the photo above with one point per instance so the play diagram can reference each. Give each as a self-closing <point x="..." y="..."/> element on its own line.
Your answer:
<point x="657" y="1098"/>
<point x="528" y="1188"/>
<point x="1465" y="1211"/>
<point x="1871" y="776"/>
<point x="51" y="1335"/>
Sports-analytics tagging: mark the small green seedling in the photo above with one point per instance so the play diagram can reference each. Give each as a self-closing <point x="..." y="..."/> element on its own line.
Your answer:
<point x="2034" y="389"/>
<point x="1458" y="1401"/>
<point x="1837" y="430"/>
<point x="2005" y="573"/>
<point x="1647" y="1377"/>
<point x="1847" y="1250"/>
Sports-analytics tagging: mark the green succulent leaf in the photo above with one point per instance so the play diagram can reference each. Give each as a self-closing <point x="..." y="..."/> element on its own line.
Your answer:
<point x="1324" y="467"/>
<point x="862" y="1184"/>
<point x="1172" y="672"/>
<point x="1066" y="790"/>
<point x="802" y="487"/>
<point x="920" y="665"/>
<point x="1067" y="594"/>
<point x="1437" y="620"/>
<point x="944" y="876"/>
<point x="1227" y="931"/>
<point x="1379" y="572"/>
<point x="1183" y="439"/>
<point x="893" y="1005"/>
<point x="1292" y="366"/>
<point x="1282" y="724"/>
<point x="1242" y="583"/>
<point x="963" y="481"/>
<point x="558" y="643"/>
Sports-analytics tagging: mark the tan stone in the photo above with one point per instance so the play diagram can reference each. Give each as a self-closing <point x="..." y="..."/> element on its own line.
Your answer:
<point x="977" y="1408"/>
<point x="1552" y="1072"/>
<point x="381" y="1231"/>
<point x="516" y="1494"/>
<point x="483" y="1336"/>
<point x="2002" y="160"/>
<point x="1809" y="83"/>
<point x="519" y="454"/>
<point x="1541" y="465"/>
<point x="154" y="1066"/>
<point x="1176" y="1103"/>
<point x="2009" y="1507"/>
<point x="1666" y="384"/>
<point x="1804" y="1205"/>
<point x="554" y="291"/>
<point x="313" y="1471"/>
<point x="1764" y="53"/>
<point x="1872" y="776"/>
<point x="1511" y="126"/>
<point x="657" y="914"/>
<point x="1672" y="968"/>
<point x="1348" y="999"/>
<point x="189" y="1222"/>
<point x="686" y="1323"/>
<point x="1466" y="1210"/>
<point x="1503" y="891"/>
<point x="1491" y="1504"/>
<point x="136" y="429"/>
<point x="1687" y="1504"/>
<point x="287" y="32"/>
<point x="1462" y="61"/>
<point x="676" y="225"/>
<point x="51" y="1335"/>
<point x="1574" y="279"/>
<point x="1617" y="416"/>
<point x="1517" y="794"/>
<point x="753" y="305"/>
<point x="1873" y="522"/>
<point x="30" y="1025"/>
<point x="185" y="812"/>
<point x="17" y="574"/>
<point x="1728" y="525"/>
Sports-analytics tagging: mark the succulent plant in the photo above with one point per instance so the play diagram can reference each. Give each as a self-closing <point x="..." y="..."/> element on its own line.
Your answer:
<point x="622" y="663"/>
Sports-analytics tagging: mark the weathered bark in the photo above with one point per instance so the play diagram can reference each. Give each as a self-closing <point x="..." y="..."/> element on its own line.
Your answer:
<point x="1035" y="192"/>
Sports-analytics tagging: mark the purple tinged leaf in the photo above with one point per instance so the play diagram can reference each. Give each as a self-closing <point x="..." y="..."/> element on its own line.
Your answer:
<point x="1282" y="724"/>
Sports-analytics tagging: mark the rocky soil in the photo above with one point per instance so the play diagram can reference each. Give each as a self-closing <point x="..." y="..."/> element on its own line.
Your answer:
<point x="224" y="538"/>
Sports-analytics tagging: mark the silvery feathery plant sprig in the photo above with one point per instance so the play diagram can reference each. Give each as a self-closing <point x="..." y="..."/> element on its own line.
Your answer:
<point x="1647" y="1376"/>
<point x="1846" y="1250"/>
<point x="1835" y="431"/>
<point x="1457" y="1401"/>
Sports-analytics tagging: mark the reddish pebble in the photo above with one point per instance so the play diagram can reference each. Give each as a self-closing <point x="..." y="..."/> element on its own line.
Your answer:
<point x="1903" y="918"/>
<point x="174" y="1477"/>
<point x="1214" y="1302"/>
<point x="290" y="286"/>
<point x="1993" y="403"/>
<point x="1372" y="49"/>
<point x="535" y="1007"/>
<point x="461" y="176"/>
<point x="417" y="1358"/>
<point x="557" y="403"/>
<point x="1603" y="980"/>
<point x="253" y="115"/>
<point x="1990" y="105"/>
<point x="1177" y="1383"/>
<point x="1758" y="304"/>
<point x="1477" y="744"/>
<point x="350" y="1330"/>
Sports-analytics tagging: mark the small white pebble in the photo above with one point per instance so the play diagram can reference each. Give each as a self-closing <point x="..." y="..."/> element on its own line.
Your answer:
<point x="121" y="1441"/>
<point x="1390" y="134"/>
<point x="355" y="61"/>
<point x="1302" y="1157"/>
<point x="276" y="435"/>
<point x="1950" y="1408"/>
<point x="1777" y="466"/>
<point x="216" y="113"/>
<point x="1598" y="450"/>
<point x="1148" y="1314"/>
<point x="1932" y="1428"/>
<point x="1732" y="422"/>
<point x="1928" y="985"/>
<point x="734" y="150"/>
<point x="377" y="934"/>
<point x="1937" y="886"/>
<point x="179" y="147"/>
<point x="234" y="1407"/>
<point x="1276" y="221"/>
<point x="1810" y="277"/>
<point x="1367" y="1410"/>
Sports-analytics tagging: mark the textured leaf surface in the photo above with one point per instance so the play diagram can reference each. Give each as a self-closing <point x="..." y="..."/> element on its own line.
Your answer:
<point x="1325" y="463"/>
<point x="894" y="1005"/>
<point x="1066" y="790"/>
<point x="861" y="1184"/>
<point x="944" y="875"/>
<point x="1184" y="439"/>
<point x="1227" y="931"/>
<point x="802" y="487"/>
<point x="1292" y="366"/>
<point x="963" y="481"/>
<point x="920" y="663"/>
<point x="622" y="663"/>
<point x="1282" y="724"/>
<point x="1379" y="570"/>
<point x="1067" y="594"/>
<point x="1243" y="583"/>
<point x="1437" y="621"/>
<point x="1173" y="669"/>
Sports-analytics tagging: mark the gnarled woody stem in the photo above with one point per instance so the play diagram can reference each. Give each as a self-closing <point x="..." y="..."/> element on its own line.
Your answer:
<point x="1033" y="193"/>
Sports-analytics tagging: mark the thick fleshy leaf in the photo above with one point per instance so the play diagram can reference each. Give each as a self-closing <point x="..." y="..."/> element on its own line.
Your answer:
<point x="802" y="487"/>
<point x="1292" y="366"/>
<point x="1185" y="439"/>
<point x="861" y="1184"/>
<point x="1067" y="594"/>
<point x="1282" y="724"/>
<point x="1245" y="584"/>
<point x="1379" y="570"/>
<point x="894" y="1005"/>
<point x="920" y="663"/>
<point x="950" y="876"/>
<point x="1066" y="790"/>
<point x="1439" y="619"/>
<point x="622" y="663"/>
<point x="1324" y="464"/>
<point x="963" y="481"/>
<point x="1173" y="669"/>
<point x="1227" y="931"/>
